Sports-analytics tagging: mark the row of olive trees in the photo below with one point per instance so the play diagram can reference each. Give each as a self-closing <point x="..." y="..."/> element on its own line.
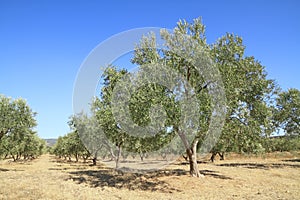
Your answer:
<point x="86" y="142"/>
<point x="69" y="146"/>
<point x="17" y="137"/>
<point x="247" y="91"/>
<point x="255" y="106"/>
<point x="237" y="136"/>
<point x="281" y="144"/>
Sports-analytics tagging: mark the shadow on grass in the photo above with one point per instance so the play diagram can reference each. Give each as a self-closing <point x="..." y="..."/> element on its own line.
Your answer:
<point x="134" y="181"/>
<point x="131" y="181"/>
<point x="63" y="164"/>
<point x="292" y="160"/>
<point x="67" y="161"/>
<point x="15" y="170"/>
<point x="213" y="174"/>
<point x="187" y="163"/>
<point x="259" y="165"/>
<point x="101" y="176"/>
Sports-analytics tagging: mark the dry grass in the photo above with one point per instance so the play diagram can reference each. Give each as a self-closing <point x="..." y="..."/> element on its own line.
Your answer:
<point x="274" y="176"/>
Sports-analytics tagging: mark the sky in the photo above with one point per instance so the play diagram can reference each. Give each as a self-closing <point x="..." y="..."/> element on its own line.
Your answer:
<point x="44" y="43"/>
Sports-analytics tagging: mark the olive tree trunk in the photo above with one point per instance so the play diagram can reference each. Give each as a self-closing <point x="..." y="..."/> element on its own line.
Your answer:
<point x="191" y="151"/>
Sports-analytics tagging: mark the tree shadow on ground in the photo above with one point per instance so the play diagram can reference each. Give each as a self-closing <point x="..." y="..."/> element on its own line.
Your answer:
<point x="127" y="180"/>
<point x="187" y="163"/>
<point x="150" y="181"/>
<point x="102" y="176"/>
<point x="259" y="165"/>
<point x="67" y="161"/>
<point x="292" y="160"/>
<point x="62" y="164"/>
<point x="213" y="174"/>
<point x="6" y="170"/>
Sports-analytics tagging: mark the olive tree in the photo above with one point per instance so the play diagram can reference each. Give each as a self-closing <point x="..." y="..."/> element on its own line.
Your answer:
<point x="247" y="90"/>
<point x="16" y="129"/>
<point x="16" y="116"/>
<point x="287" y="111"/>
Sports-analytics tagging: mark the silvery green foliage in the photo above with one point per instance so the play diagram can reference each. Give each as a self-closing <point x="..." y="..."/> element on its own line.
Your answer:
<point x="187" y="93"/>
<point x="287" y="113"/>
<point x="16" y="129"/>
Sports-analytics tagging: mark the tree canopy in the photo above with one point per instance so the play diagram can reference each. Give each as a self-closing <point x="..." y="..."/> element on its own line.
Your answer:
<point x="17" y="135"/>
<point x="202" y="97"/>
<point x="287" y="111"/>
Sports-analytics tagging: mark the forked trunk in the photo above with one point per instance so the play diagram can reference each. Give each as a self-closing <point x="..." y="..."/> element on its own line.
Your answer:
<point x="191" y="151"/>
<point x="192" y="156"/>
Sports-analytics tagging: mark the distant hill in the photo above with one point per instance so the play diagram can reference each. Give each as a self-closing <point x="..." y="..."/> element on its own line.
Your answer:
<point x="50" y="142"/>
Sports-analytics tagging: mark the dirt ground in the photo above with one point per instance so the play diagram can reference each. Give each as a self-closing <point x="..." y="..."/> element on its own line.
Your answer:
<point x="275" y="176"/>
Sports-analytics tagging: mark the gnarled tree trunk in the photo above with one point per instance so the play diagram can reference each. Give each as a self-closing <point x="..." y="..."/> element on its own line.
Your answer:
<point x="192" y="155"/>
<point x="191" y="151"/>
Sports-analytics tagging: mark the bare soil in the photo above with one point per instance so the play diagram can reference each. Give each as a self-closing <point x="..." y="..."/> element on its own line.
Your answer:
<point x="272" y="176"/>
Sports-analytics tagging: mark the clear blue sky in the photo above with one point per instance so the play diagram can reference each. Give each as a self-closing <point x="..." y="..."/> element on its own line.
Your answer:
<point x="43" y="43"/>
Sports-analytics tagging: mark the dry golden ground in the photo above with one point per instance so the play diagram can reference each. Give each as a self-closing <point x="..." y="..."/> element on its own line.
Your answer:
<point x="275" y="176"/>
